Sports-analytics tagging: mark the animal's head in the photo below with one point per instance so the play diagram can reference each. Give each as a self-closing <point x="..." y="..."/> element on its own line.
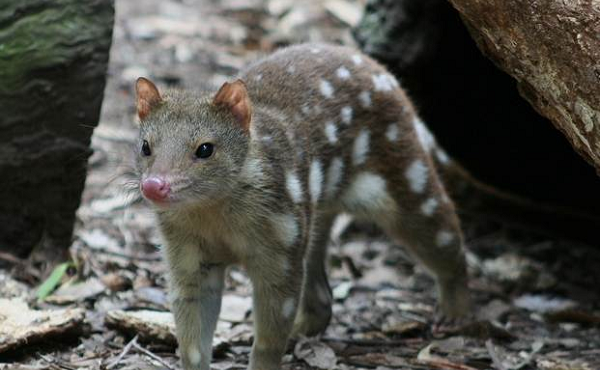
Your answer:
<point x="191" y="148"/>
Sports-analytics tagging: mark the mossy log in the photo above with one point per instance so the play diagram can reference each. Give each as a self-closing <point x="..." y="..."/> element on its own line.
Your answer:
<point x="53" y="63"/>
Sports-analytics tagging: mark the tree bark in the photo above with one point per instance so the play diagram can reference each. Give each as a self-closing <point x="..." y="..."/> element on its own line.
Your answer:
<point x="552" y="49"/>
<point x="53" y="62"/>
<point x="474" y="108"/>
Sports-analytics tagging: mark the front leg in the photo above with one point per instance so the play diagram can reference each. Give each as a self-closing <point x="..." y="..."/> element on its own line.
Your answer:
<point x="277" y="284"/>
<point x="196" y="292"/>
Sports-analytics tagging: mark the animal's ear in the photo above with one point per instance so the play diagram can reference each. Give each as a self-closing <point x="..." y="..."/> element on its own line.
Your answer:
<point x="234" y="97"/>
<point x="147" y="97"/>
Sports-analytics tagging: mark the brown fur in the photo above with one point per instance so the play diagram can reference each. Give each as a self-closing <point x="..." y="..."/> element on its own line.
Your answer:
<point x="241" y="205"/>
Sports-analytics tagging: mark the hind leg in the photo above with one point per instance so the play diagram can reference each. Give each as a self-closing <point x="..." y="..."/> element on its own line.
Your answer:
<point x="436" y="242"/>
<point x="314" y="312"/>
<point x="415" y="210"/>
<point x="430" y="229"/>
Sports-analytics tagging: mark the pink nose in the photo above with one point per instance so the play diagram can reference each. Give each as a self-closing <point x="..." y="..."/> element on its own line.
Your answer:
<point x="156" y="188"/>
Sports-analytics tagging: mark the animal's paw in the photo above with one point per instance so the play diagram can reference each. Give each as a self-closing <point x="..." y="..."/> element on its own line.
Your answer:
<point x="445" y="324"/>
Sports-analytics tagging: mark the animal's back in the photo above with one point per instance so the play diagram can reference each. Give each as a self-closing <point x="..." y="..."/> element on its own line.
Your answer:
<point x="315" y="83"/>
<point x="310" y="131"/>
<point x="339" y="110"/>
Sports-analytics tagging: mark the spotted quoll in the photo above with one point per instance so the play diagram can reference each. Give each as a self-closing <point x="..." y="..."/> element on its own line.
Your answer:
<point x="255" y="173"/>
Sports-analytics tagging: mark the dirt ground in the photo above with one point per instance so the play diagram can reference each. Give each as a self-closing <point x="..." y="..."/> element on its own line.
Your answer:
<point x="537" y="299"/>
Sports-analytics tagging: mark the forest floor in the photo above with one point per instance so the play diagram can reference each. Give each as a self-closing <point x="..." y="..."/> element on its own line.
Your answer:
<point x="537" y="299"/>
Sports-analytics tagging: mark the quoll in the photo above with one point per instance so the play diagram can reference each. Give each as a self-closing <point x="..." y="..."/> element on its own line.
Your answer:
<point x="255" y="173"/>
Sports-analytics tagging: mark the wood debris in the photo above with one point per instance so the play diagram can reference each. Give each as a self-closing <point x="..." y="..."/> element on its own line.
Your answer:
<point x="22" y="326"/>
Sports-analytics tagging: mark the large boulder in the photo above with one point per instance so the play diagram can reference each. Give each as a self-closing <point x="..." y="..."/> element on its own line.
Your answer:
<point x="53" y="63"/>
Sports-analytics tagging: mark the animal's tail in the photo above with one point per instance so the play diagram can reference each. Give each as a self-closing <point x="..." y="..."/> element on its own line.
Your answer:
<point x="474" y="197"/>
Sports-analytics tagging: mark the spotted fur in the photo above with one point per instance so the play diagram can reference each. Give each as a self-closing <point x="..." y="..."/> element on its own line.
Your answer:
<point x="307" y="133"/>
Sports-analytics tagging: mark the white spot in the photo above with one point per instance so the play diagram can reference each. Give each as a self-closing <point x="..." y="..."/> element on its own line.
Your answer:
<point x="267" y="138"/>
<point x="334" y="176"/>
<point x="429" y="206"/>
<point x="252" y="169"/>
<point x="315" y="181"/>
<point x="365" y="99"/>
<point x="378" y="83"/>
<point x="442" y="156"/>
<point x="331" y="132"/>
<point x="288" y="307"/>
<point x="357" y="59"/>
<point x="258" y="77"/>
<point x="291" y="69"/>
<point x="392" y="132"/>
<point x="417" y="174"/>
<point x="194" y="356"/>
<point x="294" y="187"/>
<point x="367" y="194"/>
<point x="343" y="73"/>
<point x="444" y="238"/>
<point x="384" y="82"/>
<point x="315" y="50"/>
<point x="326" y="88"/>
<point x="361" y="148"/>
<point x="346" y="114"/>
<point x="445" y="198"/>
<point x="285" y="265"/>
<point x="286" y="228"/>
<point x="425" y="137"/>
<point x="305" y="109"/>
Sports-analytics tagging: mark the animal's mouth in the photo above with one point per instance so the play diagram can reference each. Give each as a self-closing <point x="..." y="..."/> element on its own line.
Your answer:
<point x="162" y="190"/>
<point x="163" y="202"/>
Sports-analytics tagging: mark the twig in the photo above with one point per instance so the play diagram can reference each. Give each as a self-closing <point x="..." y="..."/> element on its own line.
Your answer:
<point x="155" y="258"/>
<point x="367" y="365"/>
<point x="54" y="363"/>
<point x="124" y="352"/>
<point x="440" y="363"/>
<point x="359" y="364"/>
<point x="11" y="258"/>
<point x="152" y="356"/>
<point x="374" y="343"/>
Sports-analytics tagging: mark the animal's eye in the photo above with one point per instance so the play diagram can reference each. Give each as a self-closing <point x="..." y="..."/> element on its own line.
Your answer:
<point x="204" y="150"/>
<point x="146" y="149"/>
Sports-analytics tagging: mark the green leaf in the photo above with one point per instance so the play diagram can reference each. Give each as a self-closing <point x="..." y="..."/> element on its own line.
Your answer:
<point x="53" y="280"/>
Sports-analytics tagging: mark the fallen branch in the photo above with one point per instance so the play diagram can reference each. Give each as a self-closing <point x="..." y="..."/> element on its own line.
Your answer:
<point x="146" y="352"/>
<point x="124" y="352"/>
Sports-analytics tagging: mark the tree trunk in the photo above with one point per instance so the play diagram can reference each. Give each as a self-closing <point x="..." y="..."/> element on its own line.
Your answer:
<point x="475" y="109"/>
<point x="552" y="49"/>
<point x="53" y="62"/>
